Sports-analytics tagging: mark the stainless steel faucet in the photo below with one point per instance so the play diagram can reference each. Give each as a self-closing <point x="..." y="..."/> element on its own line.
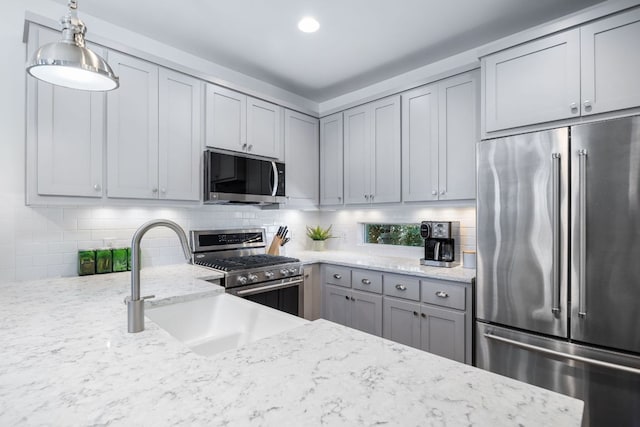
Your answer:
<point x="135" y="304"/>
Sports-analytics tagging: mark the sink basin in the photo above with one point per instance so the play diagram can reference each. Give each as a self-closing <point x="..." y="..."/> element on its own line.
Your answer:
<point x="222" y="322"/>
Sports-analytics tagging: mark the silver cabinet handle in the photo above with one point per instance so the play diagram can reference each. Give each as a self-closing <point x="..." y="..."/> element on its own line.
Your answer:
<point x="346" y="297"/>
<point x="587" y="103"/>
<point x="337" y="276"/>
<point x="97" y="187"/>
<point x="244" y="146"/>
<point x="339" y="198"/>
<point x="573" y="106"/>
<point x="371" y="197"/>
<point x="582" y="196"/>
<point x="555" y="282"/>
<point x="442" y="192"/>
<point x="401" y="287"/>
<point x="442" y="294"/>
<point x="155" y="190"/>
<point x="250" y="147"/>
<point x="415" y="313"/>
<point x="423" y="315"/>
<point x="366" y="197"/>
<point x="366" y="281"/>
<point x="434" y="192"/>
<point x="562" y="355"/>
<point x="353" y="299"/>
<point x="163" y="190"/>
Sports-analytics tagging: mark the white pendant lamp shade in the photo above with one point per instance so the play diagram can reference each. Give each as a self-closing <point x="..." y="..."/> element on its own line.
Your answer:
<point x="69" y="63"/>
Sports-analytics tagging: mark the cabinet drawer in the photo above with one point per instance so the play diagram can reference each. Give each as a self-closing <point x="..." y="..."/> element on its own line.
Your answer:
<point x="443" y="294"/>
<point x="340" y="276"/>
<point x="366" y="280"/>
<point x="399" y="286"/>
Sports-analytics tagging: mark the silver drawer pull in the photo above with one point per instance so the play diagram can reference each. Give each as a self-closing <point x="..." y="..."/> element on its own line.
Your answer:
<point x="337" y="276"/>
<point x="401" y="287"/>
<point x="442" y="294"/>
<point x="366" y="281"/>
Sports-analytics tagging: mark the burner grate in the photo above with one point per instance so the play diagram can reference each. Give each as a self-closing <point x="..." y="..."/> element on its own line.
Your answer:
<point x="245" y="262"/>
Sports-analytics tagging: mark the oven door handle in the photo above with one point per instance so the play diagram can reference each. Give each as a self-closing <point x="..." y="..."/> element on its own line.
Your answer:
<point x="259" y="290"/>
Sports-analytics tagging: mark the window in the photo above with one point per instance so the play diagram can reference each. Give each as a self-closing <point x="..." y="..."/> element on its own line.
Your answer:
<point x="393" y="234"/>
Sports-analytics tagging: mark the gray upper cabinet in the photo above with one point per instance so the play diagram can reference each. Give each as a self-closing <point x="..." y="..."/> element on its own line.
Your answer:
<point x="372" y="152"/>
<point x="264" y="137"/>
<point x="610" y="63"/>
<point x="459" y="131"/>
<point x="132" y="129"/>
<point x="302" y="159"/>
<point x="226" y="119"/>
<point x="587" y="70"/>
<point x="69" y="135"/>
<point x="238" y="122"/>
<point x="331" y="160"/>
<point x="533" y="83"/>
<point x="420" y="144"/>
<point x="439" y="134"/>
<point x="180" y="142"/>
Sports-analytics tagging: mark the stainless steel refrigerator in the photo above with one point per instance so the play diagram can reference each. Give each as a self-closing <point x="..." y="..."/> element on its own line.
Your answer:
<point x="558" y="276"/>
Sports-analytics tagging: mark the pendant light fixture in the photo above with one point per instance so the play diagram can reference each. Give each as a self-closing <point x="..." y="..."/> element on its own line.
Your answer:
<point x="69" y="63"/>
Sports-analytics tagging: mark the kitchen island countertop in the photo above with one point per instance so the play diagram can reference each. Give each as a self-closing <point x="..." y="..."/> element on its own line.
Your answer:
<point x="66" y="359"/>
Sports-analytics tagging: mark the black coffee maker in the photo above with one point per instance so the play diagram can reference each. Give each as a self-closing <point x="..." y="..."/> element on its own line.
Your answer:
<point x="439" y="245"/>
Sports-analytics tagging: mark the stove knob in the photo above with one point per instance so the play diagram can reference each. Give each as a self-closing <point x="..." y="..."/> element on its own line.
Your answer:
<point x="253" y="277"/>
<point x="242" y="280"/>
<point x="284" y="272"/>
<point x="293" y="270"/>
<point x="268" y="274"/>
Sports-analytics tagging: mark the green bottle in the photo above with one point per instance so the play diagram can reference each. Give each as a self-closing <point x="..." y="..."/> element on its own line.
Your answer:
<point x="120" y="259"/>
<point x="104" y="261"/>
<point x="86" y="262"/>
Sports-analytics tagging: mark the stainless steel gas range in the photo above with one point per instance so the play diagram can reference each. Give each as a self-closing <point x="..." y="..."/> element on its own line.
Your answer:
<point x="249" y="272"/>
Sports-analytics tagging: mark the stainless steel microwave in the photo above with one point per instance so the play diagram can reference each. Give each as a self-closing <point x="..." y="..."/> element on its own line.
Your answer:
<point x="235" y="178"/>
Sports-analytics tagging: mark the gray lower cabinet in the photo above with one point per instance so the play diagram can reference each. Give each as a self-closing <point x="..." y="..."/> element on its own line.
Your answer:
<point x="442" y="332"/>
<point x="401" y="321"/>
<point x="356" y="309"/>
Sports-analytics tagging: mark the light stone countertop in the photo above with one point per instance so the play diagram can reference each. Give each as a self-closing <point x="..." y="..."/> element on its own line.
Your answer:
<point x="385" y="263"/>
<point x="66" y="359"/>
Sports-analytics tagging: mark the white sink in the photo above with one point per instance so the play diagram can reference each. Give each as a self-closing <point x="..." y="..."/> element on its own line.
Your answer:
<point x="221" y="322"/>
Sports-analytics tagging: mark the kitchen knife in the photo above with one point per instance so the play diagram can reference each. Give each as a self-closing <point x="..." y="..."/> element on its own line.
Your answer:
<point x="285" y="241"/>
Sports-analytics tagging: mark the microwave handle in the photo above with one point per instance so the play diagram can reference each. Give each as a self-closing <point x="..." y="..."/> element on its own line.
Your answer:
<point x="207" y="174"/>
<point x="274" y="171"/>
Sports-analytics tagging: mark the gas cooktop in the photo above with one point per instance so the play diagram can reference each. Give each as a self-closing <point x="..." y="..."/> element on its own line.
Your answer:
<point x="245" y="262"/>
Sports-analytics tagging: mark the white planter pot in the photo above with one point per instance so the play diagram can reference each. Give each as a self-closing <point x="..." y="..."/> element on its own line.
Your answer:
<point x="318" y="245"/>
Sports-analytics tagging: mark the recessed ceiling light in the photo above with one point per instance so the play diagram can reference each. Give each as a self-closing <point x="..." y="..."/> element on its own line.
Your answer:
<point x="308" y="24"/>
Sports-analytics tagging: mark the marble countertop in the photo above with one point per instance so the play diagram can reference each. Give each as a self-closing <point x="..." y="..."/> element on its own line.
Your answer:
<point x="66" y="359"/>
<point x="386" y="263"/>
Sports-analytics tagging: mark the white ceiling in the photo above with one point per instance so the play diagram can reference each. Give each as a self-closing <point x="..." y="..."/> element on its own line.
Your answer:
<point x="360" y="42"/>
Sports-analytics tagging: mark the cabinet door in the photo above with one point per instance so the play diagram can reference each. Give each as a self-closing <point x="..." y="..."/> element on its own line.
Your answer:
<point x="302" y="158"/>
<point x="533" y="83"/>
<point x="610" y="63"/>
<point x="385" y="147"/>
<point x="331" y="165"/>
<point x="366" y="312"/>
<point x="420" y="144"/>
<point x="402" y="322"/>
<point x="357" y="157"/>
<point x="180" y="104"/>
<point x="459" y="133"/>
<point x="70" y="136"/>
<point x="226" y="119"/>
<point x="336" y="304"/>
<point x="263" y="128"/>
<point x="442" y="332"/>
<point x="132" y="129"/>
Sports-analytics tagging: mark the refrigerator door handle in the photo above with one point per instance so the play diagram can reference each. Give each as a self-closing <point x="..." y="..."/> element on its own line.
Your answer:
<point x="560" y="354"/>
<point x="556" y="236"/>
<point x="582" y="215"/>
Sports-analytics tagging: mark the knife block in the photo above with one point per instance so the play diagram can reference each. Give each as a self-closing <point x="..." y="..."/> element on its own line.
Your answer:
<point x="274" y="249"/>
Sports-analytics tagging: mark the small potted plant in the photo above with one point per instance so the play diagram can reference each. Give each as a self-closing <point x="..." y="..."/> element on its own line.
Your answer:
<point x="318" y="236"/>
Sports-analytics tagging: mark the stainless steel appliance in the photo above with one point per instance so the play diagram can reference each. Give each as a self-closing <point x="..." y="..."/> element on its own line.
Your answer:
<point x="439" y="244"/>
<point x="558" y="277"/>
<point x="271" y="280"/>
<point x="234" y="178"/>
